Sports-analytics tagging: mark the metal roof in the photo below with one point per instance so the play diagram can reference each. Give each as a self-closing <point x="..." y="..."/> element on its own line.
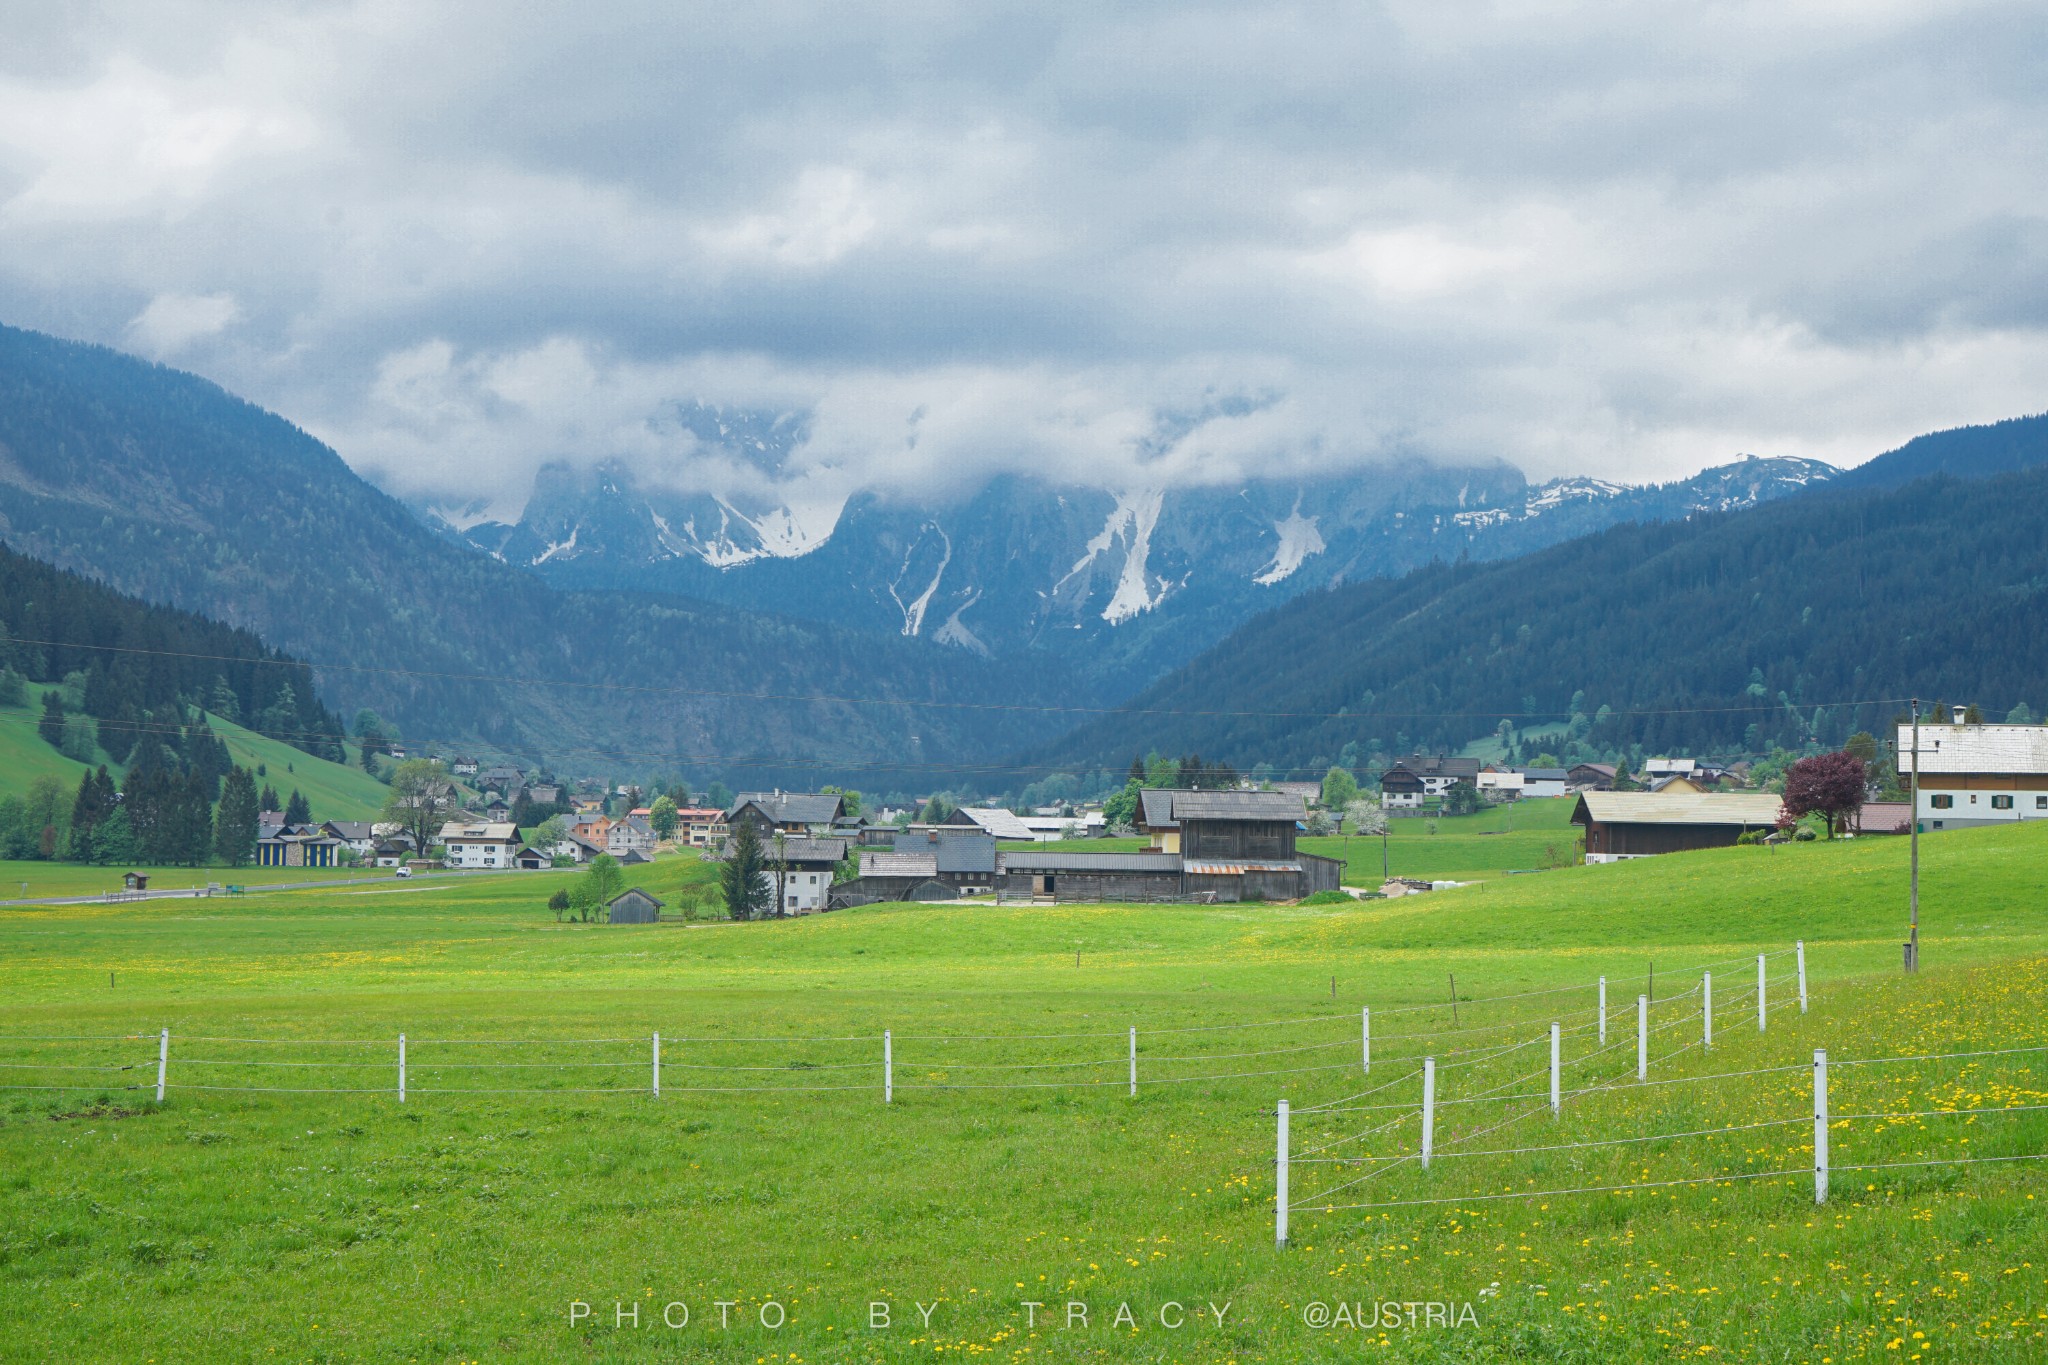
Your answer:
<point x="1758" y="811"/>
<point x="1544" y="774"/>
<point x="1231" y="867"/>
<point x="1155" y="808"/>
<point x="1280" y="806"/>
<point x="793" y="808"/>
<point x="956" y="848"/>
<point x="1001" y="823"/>
<point x="1975" y="749"/>
<point x="797" y="849"/>
<point x="1031" y="860"/>
<point x="899" y="864"/>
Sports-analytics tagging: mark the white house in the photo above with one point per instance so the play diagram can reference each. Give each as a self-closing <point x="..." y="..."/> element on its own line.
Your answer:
<point x="1977" y="774"/>
<point x="630" y="835"/>
<point x="1544" y="782"/>
<point x="480" y="845"/>
<point x="1501" y="782"/>
<point x="802" y="869"/>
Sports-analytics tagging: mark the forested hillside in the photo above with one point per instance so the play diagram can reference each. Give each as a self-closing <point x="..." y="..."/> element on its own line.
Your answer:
<point x="165" y="486"/>
<point x="1807" y="618"/>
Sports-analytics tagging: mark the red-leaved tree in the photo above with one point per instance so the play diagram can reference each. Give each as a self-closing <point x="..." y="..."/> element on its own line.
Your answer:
<point x="1828" y="785"/>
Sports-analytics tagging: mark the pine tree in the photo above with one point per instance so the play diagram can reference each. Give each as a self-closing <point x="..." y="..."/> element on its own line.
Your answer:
<point x="96" y="800"/>
<point x="269" y="800"/>
<point x="51" y="726"/>
<point x="234" y="834"/>
<point x="740" y="878"/>
<point x="197" y="821"/>
<point x="297" y="811"/>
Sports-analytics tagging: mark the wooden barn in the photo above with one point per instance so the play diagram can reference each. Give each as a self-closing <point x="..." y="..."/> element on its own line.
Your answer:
<point x="634" y="906"/>
<point x="1622" y="825"/>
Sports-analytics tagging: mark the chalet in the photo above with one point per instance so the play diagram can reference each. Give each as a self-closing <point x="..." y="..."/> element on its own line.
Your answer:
<point x="490" y="843"/>
<point x="463" y="767"/>
<point x="798" y="872"/>
<point x="810" y="813"/>
<point x="1541" y="782"/>
<point x="1621" y="825"/>
<point x="296" y="846"/>
<point x="359" y="835"/>
<point x="1225" y="845"/>
<point x="497" y="811"/>
<point x="577" y="848"/>
<point x="1977" y="774"/>
<point x="1420" y="778"/>
<point x="1590" y="777"/>
<point x="634" y="906"/>
<point x="1402" y="790"/>
<point x="391" y="852"/>
<point x="630" y="835"/>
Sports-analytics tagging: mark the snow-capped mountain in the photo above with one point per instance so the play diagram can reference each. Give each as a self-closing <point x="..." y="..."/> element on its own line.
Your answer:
<point x="1125" y="582"/>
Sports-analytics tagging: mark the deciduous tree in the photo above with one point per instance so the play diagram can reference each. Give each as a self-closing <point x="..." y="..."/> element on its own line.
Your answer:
<point x="422" y="799"/>
<point x="1828" y="785"/>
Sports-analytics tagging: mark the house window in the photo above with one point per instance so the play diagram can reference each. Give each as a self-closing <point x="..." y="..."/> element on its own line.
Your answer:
<point x="2001" y="803"/>
<point x="2041" y="803"/>
<point x="1943" y="802"/>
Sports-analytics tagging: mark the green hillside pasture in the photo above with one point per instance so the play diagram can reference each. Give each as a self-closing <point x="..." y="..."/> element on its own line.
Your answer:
<point x="255" y="1226"/>
<point x="336" y="791"/>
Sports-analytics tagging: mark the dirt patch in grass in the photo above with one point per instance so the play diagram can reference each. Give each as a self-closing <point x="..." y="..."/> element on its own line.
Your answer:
<point x="98" y="1111"/>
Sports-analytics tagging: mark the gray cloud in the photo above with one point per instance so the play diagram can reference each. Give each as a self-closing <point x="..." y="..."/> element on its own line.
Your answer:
<point x="1111" y="244"/>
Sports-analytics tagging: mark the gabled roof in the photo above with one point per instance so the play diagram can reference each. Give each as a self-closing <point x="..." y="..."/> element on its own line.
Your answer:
<point x="490" y="831"/>
<point x="792" y="808"/>
<point x="1055" y="860"/>
<point x="1213" y="805"/>
<point x="636" y="891"/>
<point x="1001" y="823"/>
<point x="1155" y="808"/>
<point x="1545" y="775"/>
<point x="1975" y="749"/>
<point x="350" y="829"/>
<point x="797" y="849"/>
<point x="1440" y="765"/>
<point x="899" y="864"/>
<point x="1749" y="810"/>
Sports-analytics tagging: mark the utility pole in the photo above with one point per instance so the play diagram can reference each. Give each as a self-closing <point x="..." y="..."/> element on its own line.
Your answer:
<point x="1913" y="836"/>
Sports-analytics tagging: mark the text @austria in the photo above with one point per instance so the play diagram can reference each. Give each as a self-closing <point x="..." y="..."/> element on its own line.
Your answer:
<point x="1070" y="1315"/>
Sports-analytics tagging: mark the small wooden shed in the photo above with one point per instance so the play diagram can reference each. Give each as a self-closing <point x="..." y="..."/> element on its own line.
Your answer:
<point x="634" y="906"/>
<point x="136" y="881"/>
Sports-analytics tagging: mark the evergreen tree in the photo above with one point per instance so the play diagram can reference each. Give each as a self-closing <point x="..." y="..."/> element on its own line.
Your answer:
<point x="746" y="897"/>
<point x="269" y="800"/>
<point x="196" y="822"/>
<point x="234" y="835"/>
<point x="96" y="800"/>
<point x="367" y="757"/>
<point x="113" y="841"/>
<point x="51" y="726"/>
<point x="297" y="811"/>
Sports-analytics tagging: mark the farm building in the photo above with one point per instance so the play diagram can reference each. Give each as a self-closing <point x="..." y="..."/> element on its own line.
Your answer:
<point x="799" y="870"/>
<point x="1977" y="774"/>
<point x="961" y="858"/>
<point x="813" y="813"/>
<point x="634" y="906"/>
<point x="1623" y="825"/>
<point x="1229" y="845"/>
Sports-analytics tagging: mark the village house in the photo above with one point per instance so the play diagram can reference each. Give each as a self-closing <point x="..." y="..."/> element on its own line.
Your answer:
<point x="360" y="836"/>
<point x="1622" y="825"/>
<point x="1977" y="774"/>
<point x="1590" y="777"/>
<point x="700" y="826"/>
<point x="491" y="844"/>
<point x="1421" y="779"/>
<point x="934" y="863"/>
<point x="1502" y="784"/>
<point x="463" y="767"/>
<point x="807" y="813"/>
<point x="798" y="872"/>
<point x="630" y="835"/>
<point x="1542" y="782"/>
<point x="592" y="829"/>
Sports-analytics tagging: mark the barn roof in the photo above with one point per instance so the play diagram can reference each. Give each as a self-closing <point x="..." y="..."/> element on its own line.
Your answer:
<point x="899" y="864"/>
<point x="793" y="808"/>
<point x="1274" y="805"/>
<point x="802" y="850"/>
<point x="1032" y="860"/>
<point x="1755" y="811"/>
<point x="1001" y="823"/>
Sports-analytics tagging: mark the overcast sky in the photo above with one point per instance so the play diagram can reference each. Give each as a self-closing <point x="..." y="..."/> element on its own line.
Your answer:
<point x="1111" y="242"/>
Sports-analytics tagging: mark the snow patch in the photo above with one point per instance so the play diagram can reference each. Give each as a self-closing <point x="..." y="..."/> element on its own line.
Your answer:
<point x="913" y="612"/>
<point x="955" y="633"/>
<point x="1140" y="514"/>
<point x="559" y="547"/>
<point x="1299" y="539"/>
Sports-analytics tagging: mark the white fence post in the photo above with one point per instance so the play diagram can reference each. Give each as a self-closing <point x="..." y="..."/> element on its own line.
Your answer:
<point x="1603" y="1011"/>
<point x="1428" y="1108"/>
<point x="1365" y="1035"/>
<point x="1554" y="1078"/>
<point x="1706" y="1009"/>
<point x="1642" y="1037"/>
<point x="1280" y="1180"/>
<point x="1134" y="1059"/>
<point x="657" y="1066"/>
<point x="1820" y="1125"/>
<point x="1762" y="984"/>
<point x="1800" y="948"/>
<point x="401" y="1068"/>
<point x="888" y="1069"/>
<point x="163" y="1062"/>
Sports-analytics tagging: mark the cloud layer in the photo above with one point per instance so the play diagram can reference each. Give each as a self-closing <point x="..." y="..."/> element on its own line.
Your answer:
<point x="1111" y="244"/>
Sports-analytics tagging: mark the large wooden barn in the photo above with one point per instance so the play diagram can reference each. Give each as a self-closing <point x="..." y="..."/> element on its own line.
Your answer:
<point x="1622" y="825"/>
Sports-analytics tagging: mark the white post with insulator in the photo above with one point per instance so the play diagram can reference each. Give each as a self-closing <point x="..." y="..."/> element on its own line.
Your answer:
<point x="657" y="1066"/>
<point x="1603" y="1011"/>
<point x="1820" y="1125"/>
<point x="888" y="1069"/>
<point x="1642" y="1037"/>
<point x="401" y="1068"/>
<point x="1134" y="1059"/>
<point x="1762" y="984"/>
<point x="1280" y="1179"/>
<point x="1706" y="1009"/>
<point x="1555" y="1079"/>
<point x="1365" y="1035"/>
<point x="1800" y="949"/>
<point x="163" y="1062"/>
<point x="1428" y="1108"/>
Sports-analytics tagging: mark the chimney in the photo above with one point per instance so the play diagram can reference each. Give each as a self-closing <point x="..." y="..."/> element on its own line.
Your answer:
<point x="1959" y="711"/>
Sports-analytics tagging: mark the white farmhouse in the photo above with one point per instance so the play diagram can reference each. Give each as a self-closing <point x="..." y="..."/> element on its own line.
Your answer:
<point x="1977" y="774"/>
<point x="489" y="844"/>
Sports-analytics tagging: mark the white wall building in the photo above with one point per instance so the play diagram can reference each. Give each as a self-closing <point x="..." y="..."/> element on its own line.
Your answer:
<point x="1977" y="774"/>
<point x="480" y="845"/>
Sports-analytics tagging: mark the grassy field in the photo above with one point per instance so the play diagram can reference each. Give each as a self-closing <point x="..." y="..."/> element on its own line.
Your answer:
<point x="335" y="791"/>
<point x="238" y="1224"/>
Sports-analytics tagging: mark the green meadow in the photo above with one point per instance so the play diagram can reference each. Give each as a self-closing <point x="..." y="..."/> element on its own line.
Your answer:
<point x="532" y="1200"/>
